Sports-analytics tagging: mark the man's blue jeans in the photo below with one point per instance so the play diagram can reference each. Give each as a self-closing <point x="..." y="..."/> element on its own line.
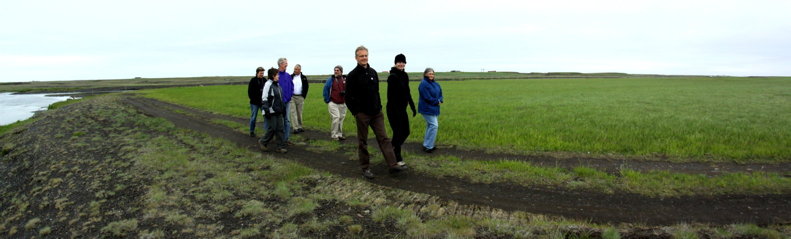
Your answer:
<point x="287" y="122"/>
<point x="432" y="124"/>
<point x="254" y="109"/>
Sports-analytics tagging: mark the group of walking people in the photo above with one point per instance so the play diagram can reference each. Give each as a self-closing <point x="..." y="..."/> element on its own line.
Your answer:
<point x="280" y="99"/>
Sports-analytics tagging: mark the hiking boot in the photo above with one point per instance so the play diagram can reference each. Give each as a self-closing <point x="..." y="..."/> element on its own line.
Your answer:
<point x="282" y="150"/>
<point x="368" y="174"/>
<point x="262" y="146"/>
<point x="397" y="169"/>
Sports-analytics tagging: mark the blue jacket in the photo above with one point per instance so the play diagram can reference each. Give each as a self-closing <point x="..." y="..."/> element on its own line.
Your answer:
<point x="287" y="84"/>
<point x="430" y="97"/>
<point x="328" y="88"/>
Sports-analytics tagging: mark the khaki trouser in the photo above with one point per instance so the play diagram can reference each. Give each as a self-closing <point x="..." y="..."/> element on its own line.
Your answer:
<point x="338" y="114"/>
<point x="296" y="111"/>
<point x="377" y="123"/>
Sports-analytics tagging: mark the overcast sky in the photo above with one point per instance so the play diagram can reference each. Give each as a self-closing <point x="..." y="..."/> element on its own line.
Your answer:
<point x="77" y="40"/>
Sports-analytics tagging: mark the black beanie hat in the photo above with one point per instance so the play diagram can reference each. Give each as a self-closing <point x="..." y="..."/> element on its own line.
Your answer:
<point x="400" y="58"/>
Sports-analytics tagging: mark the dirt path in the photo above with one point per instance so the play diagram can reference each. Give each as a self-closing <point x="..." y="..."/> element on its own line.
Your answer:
<point x="596" y="207"/>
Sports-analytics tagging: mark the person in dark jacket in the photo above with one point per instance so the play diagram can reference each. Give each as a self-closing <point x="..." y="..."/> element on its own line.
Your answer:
<point x="298" y="98"/>
<point x="254" y="90"/>
<point x="362" y="99"/>
<point x="430" y="99"/>
<point x="274" y="110"/>
<point x="398" y="97"/>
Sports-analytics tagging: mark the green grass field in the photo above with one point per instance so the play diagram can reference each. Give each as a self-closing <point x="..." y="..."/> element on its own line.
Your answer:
<point x="683" y="119"/>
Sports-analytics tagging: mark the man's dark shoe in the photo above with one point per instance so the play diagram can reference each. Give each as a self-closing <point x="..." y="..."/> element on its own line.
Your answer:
<point x="429" y="150"/>
<point x="252" y="134"/>
<point x="397" y="169"/>
<point x="296" y="131"/>
<point x="368" y="174"/>
<point x="262" y="146"/>
<point x="301" y="130"/>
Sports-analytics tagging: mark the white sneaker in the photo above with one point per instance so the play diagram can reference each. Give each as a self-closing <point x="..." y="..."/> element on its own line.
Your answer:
<point x="401" y="163"/>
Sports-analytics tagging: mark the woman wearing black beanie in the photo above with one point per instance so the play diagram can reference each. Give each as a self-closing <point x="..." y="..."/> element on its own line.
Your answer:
<point x="398" y="96"/>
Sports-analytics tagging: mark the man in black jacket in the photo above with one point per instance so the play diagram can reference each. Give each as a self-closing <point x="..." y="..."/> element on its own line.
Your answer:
<point x="362" y="99"/>
<point x="298" y="98"/>
<point x="254" y="91"/>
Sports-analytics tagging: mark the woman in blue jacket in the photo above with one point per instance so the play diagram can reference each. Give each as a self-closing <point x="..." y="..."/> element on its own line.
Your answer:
<point x="430" y="99"/>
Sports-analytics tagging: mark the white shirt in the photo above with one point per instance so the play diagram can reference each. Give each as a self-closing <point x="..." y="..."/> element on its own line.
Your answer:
<point x="298" y="84"/>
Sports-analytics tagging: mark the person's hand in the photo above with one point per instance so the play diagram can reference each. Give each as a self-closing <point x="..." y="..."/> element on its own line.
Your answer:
<point x="413" y="113"/>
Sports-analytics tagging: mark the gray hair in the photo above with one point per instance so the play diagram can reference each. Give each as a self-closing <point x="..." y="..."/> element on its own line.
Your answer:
<point x="298" y="65"/>
<point x="427" y="70"/>
<point x="281" y="60"/>
<point x="360" y="48"/>
<point x="339" y="67"/>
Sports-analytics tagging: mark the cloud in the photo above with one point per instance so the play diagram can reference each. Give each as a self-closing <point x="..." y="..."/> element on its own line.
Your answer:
<point x="38" y="60"/>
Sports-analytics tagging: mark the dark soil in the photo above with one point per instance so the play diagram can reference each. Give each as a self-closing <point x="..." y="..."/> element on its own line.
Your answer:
<point x="591" y="206"/>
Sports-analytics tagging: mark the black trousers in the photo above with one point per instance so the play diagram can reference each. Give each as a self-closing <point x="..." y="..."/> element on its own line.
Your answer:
<point x="399" y="123"/>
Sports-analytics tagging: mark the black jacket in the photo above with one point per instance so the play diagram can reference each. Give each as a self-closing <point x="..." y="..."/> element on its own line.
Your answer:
<point x="304" y="85"/>
<point x="255" y="89"/>
<point x="362" y="91"/>
<point x="398" y="94"/>
<point x="274" y="99"/>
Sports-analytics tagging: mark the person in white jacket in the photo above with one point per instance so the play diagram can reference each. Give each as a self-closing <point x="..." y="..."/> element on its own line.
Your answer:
<point x="274" y="110"/>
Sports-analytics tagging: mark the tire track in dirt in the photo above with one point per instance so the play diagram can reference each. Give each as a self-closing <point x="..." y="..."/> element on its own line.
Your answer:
<point x="593" y="206"/>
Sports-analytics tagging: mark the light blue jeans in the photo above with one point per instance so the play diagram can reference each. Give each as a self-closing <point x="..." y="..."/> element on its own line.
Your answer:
<point x="254" y="109"/>
<point x="432" y="124"/>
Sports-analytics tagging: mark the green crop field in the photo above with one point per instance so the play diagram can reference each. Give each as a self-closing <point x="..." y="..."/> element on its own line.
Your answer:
<point x="683" y="119"/>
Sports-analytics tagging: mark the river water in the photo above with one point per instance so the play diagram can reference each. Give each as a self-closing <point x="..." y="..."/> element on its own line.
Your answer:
<point x="23" y="106"/>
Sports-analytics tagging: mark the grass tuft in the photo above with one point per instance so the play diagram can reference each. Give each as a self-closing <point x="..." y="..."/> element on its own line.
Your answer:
<point x="252" y="208"/>
<point x="32" y="223"/>
<point x="120" y="228"/>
